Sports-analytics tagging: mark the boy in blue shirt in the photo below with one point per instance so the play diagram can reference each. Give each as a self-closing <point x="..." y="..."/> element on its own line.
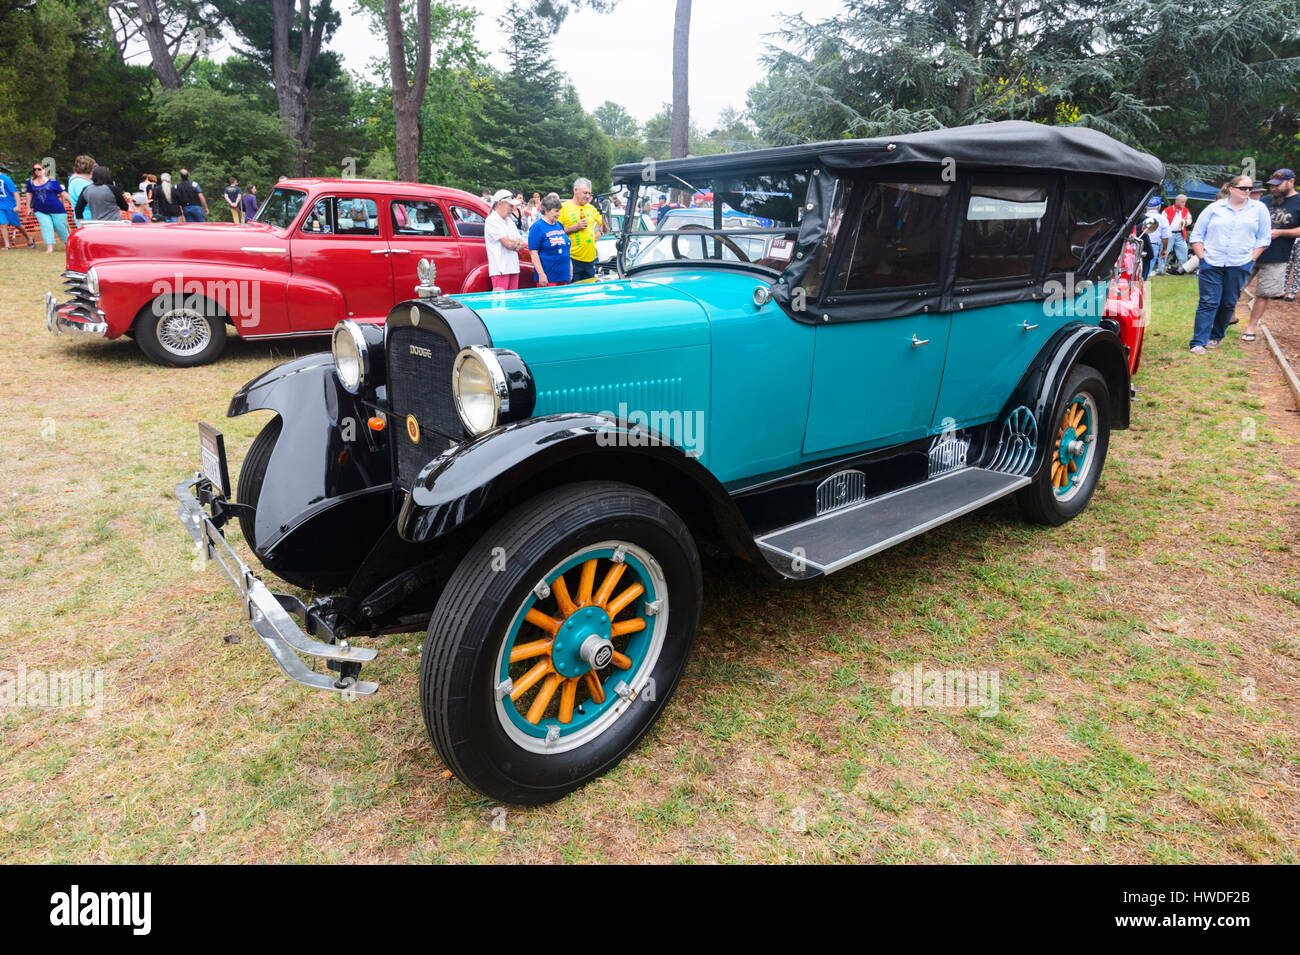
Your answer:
<point x="548" y="244"/>
<point x="9" y="208"/>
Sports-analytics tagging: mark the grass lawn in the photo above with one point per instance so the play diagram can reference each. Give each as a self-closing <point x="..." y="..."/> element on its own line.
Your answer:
<point x="1147" y="656"/>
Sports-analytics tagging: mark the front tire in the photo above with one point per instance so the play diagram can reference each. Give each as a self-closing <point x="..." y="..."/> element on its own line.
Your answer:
<point x="180" y="331"/>
<point x="1078" y="441"/>
<point x="559" y="639"/>
<point x="252" y="473"/>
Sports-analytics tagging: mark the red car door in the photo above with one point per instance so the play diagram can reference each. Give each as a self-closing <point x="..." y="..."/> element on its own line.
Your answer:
<point x="340" y="245"/>
<point x="420" y="231"/>
<point x="468" y="224"/>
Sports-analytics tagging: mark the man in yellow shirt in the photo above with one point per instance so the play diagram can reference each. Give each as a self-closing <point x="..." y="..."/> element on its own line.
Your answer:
<point x="581" y="221"/>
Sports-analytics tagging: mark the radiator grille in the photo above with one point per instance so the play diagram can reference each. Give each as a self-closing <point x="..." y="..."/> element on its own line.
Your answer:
<point x="421" y="386"/>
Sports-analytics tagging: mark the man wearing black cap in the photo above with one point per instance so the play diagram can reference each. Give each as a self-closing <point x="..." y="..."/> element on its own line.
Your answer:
<point x="1284" y="211"/>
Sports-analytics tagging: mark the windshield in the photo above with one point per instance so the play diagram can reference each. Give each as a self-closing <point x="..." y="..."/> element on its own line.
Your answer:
<point x="739" y="218"/>
<point x="281" y="207"/>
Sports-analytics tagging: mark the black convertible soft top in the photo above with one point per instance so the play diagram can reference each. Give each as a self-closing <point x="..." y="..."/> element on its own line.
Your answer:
<point x="1015" y="144"/>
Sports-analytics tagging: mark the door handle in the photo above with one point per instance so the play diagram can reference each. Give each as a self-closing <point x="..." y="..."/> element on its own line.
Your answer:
<point x="262" y="249"/>
<point x="400" y="251"/>
<point x="918" y="342"/>
<point x="378" y="251"/>
<point x="1026" y="327"/>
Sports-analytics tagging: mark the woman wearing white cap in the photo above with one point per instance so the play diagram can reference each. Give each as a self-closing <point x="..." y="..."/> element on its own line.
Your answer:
<point x="503" y="241"/>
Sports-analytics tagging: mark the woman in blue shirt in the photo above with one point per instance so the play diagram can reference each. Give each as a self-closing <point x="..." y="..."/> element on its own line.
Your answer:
<point x="46" y="197"/>
<point x="83" y="168"/>
<point x="1228" y="237"/>
<point x="548" y="244"/>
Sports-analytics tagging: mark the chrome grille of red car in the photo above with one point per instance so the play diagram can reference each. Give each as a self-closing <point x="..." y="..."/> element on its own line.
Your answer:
<point x="74" y="284"/>
<point x="419" y="384"/>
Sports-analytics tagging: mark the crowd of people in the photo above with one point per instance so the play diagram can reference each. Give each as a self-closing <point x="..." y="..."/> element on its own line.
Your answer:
<point x="559" y="236"/>
<point x="94" y="196"/>
<point x="1240" y="235"/>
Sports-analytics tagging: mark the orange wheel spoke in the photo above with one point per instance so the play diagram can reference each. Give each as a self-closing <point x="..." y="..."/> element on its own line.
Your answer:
<point x="627" y="626"/>
<point x="526" y="651"/>
<point x="594" y="689"/>
<point x="621" y="661"/>
<point x="562" y="598"/>
<point x="543" y="698"/>
<point x="568" y="694"/>
<point x="1081" y="429"/>
<point x="608" y="584"/>
<point x="547" y="623"/>
<point x="622" y="600"/>
<point x="587" y="582"/>
<point x="1073" y="467"/>
<point x="529" y="679"/>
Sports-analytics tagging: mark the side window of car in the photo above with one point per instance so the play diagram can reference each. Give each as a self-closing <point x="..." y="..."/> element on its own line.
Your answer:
<point x="418" y="217"/>
<point x="343" y="215"/>
<point x="320" y="221"/>
<point x="1004" y="229"/>
<point x="357" y="216"/>
<point x="899" y="239"/>
<point x="1090" y="214"/>
<point x="468" y="222"/>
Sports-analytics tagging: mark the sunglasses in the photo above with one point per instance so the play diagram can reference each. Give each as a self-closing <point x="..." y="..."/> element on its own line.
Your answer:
<point x="1246" y="188"/>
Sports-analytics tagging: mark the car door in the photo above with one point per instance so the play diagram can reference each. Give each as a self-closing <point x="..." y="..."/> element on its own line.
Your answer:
<point x="340" y="243"/>
<point x="468" y="224"/>
<point x="1005" y="238"/>
<point x="420" y="231"/>
<point x="876" y="371"/>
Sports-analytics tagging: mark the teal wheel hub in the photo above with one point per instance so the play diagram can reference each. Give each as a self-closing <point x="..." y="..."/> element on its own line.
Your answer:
<point x="575" y="635"/>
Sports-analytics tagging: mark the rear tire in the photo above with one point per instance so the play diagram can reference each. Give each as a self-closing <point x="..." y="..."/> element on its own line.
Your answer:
<point x="527" y="742"/>
<point x="1067" y="480"/>
<point x="181" y="331"/>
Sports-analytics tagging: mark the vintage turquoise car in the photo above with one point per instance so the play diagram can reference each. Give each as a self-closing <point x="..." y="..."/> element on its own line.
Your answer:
<point x="531" y="476"/>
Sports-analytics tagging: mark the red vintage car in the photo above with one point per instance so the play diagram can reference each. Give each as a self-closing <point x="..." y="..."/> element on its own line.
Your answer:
<point x="319" y="251"/>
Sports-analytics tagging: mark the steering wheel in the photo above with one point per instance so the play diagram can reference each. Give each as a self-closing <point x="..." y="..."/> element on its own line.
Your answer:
<point x="692" y="227"/>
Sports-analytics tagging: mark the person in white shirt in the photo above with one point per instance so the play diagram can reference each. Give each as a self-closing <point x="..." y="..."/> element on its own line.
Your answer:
<point x="1161" y="238"/>
<point x="1180" y="220"/>
<point x="503" y="241"/>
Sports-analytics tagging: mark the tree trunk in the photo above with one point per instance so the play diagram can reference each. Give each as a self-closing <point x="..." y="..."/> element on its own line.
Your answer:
<point x="290" y="78"/>
<point x="408" y="97"/>
<point x="681" y="121"/>
<point x="159" y="54"/>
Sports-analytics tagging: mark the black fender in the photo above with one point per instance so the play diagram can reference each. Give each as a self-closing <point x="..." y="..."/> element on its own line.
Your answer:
<point x="328" y="493"/>
<point x="502" y="467"/>
<point x="1040" y="388"/>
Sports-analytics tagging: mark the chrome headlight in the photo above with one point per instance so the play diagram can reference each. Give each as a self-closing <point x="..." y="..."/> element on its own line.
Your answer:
<point x="492" y="386"/>
<point x="351" y="357"/>
<point x="92" y="282"/>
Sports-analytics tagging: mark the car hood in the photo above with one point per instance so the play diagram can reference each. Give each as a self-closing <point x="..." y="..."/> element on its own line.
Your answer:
<point x="171" y="242"/>
<point x="590" y="319"/>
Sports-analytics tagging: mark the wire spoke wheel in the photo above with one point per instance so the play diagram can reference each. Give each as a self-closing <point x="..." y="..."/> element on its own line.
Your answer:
<point x="184" y="332"/>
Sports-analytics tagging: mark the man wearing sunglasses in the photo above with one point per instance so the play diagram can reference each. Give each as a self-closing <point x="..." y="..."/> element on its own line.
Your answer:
<point x="1284" y="214"/>
<point x="1227" y="239"/>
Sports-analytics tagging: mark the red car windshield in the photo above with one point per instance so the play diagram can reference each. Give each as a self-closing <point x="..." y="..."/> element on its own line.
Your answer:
<point x="281" y="207"/>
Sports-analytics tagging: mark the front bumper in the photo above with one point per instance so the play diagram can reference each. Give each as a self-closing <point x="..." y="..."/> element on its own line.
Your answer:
<point x="271" y="614"/>
<point x="81" y="313"/>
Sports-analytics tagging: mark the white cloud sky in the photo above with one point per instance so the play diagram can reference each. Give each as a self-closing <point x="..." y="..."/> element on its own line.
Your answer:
<point x="626" y="55"/>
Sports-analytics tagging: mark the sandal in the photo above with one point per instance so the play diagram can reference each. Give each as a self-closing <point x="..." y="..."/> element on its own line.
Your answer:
<point x="1247" y="336"/>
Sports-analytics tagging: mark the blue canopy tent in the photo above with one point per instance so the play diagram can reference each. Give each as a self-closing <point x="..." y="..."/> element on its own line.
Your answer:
<point x="1192" y="188"/>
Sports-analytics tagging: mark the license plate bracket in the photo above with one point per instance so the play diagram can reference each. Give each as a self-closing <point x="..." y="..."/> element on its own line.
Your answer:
<point x="212" y="455"/>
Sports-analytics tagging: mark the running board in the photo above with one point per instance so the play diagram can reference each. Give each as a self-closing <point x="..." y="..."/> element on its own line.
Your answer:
<point x="831" y="541"/>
